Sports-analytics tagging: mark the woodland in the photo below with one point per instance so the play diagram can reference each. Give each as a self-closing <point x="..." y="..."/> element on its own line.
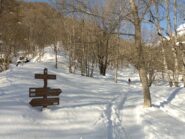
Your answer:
<point x="106" y="35"/>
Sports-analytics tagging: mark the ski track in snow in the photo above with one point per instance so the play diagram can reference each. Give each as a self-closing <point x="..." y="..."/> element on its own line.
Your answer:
<point x="131" y="115"/>
<point x="89" y="108"/>
<point x="113" y="115"/>
<point x="112" y="118"/>
<point x="15" y="78"/>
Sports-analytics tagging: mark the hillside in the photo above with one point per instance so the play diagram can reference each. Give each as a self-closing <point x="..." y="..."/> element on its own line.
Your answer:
<point x="90" y="108"/>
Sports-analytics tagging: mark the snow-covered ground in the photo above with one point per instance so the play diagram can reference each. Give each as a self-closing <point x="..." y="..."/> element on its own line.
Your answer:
<point x="90" y="108"/>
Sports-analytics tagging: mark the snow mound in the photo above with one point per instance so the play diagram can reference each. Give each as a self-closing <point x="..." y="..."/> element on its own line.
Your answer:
<point x="48" y="56"/>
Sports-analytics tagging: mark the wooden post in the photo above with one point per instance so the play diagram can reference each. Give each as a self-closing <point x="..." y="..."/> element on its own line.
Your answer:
<point x="45" y="86"/>
<point x="44" y="92"/>
<point x="45" y="79"/>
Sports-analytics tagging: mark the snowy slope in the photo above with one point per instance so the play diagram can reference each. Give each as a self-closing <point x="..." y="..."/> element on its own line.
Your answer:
<point x="89" y="108"/>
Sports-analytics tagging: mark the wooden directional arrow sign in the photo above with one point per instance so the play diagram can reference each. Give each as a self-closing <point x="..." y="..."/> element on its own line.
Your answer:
<point x="38" y="92"/>
<point x="44" y="102"/>
<point x="45" y="76"/>
<point x="44" y="92"/>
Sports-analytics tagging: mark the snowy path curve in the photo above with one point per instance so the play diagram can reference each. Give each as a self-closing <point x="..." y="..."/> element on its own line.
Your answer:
<point x="121" y="115"/>
<point x="112" y="118"/>
<point x="131" y="114"/>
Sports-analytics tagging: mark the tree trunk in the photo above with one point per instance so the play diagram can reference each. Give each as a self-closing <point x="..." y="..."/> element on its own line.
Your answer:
<point x="144" y="80"/>
<point x="117" y="58"/>
<point x="175" y="41"/>
<point x="162" y="45"/>
<point x="56" y="56"/>
<point x="92" y="68"/>
<point x="174" y="52"/>
<point x="93" y="62"/>
<point x="166" y="66"/>
<point x="87" y="61"/>
<point x="141" y="62"/>
<point x="116" y="72"/>
<point x="70" y="54"/>
<point x="183" y="59"/>
<point x="103" y="61"/>
<point x="102" y="66"/>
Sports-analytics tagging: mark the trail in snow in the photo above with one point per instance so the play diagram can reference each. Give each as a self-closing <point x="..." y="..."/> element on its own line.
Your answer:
<point x="131" y="115"/>
<point x="81" y="105"/>
<point x="112" y="117"/>
<point x="89" y="108"/>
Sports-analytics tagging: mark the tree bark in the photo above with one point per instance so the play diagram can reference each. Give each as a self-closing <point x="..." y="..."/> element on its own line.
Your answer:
<point x="56" y="56"/>
<point x="141" y="62"/>
<point x="175" y="41"/>
<point x="183" y="60"/>
<point x="103" y="59"/>
<point x="174" y="52"/>
<point x="162" y="46"/>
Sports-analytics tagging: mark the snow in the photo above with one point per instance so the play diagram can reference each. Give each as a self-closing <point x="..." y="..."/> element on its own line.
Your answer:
<point x="167" y="38"/>
<point x="181" y="30"/>
<point x="178" y="43"/>
<point x="90" y="108"/>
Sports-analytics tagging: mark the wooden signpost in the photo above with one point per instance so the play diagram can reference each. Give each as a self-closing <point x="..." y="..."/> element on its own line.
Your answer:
<point x="44" y="92"/>
<point x="44" y="102"/>
<point x="39" y="92"/>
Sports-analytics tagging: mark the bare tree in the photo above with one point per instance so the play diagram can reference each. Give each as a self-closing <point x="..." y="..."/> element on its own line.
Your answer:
<point x="137" y="20"/>
<point x="107" y="20"/>
<point x="156" y="22"/>
<point x="173" y="40"/>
